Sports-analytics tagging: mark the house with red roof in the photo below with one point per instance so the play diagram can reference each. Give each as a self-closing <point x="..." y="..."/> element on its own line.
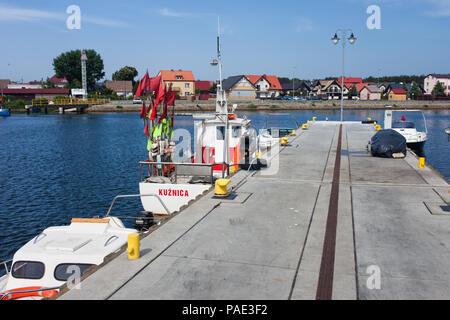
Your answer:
<point x="182" y="81"/>
<point x="267" y="86"/>
<point x="397" y="94"/>
<point x="204" y="87"/>
<point x="350" y="80"/>
<point x="30" y="94"/>
<point x="59" y="82"/>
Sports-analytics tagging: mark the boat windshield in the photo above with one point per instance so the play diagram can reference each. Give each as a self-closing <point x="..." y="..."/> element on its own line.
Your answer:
<point x="403" y="124"/>
<point x="409" y="119"/>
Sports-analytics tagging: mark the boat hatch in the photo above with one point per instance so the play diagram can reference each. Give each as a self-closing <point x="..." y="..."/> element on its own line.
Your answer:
<point x="79" y="225"/>
<point x="70" y="244"/>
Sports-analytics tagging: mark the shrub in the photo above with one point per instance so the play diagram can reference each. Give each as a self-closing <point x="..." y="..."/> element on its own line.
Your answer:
<point x="252" y="106"/>
<point x="119" y="107"/>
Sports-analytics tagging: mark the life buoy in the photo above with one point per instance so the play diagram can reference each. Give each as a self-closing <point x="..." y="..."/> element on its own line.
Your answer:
<point x="17" y="293"/>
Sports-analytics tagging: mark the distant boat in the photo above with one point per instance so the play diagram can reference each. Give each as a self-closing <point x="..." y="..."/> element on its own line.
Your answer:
<point x="4" y="112"/>
<point x="415" y="138"/>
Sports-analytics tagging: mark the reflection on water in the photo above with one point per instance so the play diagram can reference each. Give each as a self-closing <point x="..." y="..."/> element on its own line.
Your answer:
<point x="55" y="167"/>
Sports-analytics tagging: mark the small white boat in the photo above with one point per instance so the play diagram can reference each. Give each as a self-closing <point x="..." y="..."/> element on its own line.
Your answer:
<point x="60" y="255"/>
<point x="268" y="137"/>
<point x="407" y="122"/>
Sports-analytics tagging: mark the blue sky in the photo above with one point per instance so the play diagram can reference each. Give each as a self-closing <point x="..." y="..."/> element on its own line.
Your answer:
<point x="273" y="37"/>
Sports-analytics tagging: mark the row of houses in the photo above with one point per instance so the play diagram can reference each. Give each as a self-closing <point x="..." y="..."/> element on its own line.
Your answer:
<point x="246" y="87"/>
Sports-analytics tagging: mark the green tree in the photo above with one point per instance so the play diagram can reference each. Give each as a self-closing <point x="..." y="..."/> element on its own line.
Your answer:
<point x="126" y="73"/>
<point x="213" y="88"/>
<point x="438" y="89"/>
<point x="47" y="84"/>
<point x="68" y="64"/>
<point x="414" y="92"/>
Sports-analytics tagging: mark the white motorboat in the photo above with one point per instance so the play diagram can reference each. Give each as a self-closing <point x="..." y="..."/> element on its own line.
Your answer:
<point x="409" y="123"/>
<point x="62" y="254"/>
<point x="268" y="137"/>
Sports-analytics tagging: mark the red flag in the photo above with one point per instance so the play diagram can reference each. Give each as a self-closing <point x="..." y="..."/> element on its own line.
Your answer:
<point x="146" y="128"/>
<point x="144" y="84"/>
<point x="159" y="94"/>
<point x="154" y="83"/>
<point x="138" y="91"/>
<point x="164" y="113"/>
<point x="171" y="100"/>
<point x="153" y="115"/>
<point x="171" y="122"/>
<point x="143" y="112"/>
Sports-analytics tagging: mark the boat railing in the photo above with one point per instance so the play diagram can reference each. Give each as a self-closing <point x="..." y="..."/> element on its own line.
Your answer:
<point x="5" y="266"/>
<point x="173" y="170"/>
<point x="135" y="196"/>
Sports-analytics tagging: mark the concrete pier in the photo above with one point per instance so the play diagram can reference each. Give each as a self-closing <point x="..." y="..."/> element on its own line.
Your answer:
<point x="333" y="222"/>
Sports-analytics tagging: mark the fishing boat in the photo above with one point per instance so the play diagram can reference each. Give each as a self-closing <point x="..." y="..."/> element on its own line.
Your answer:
<point x="63" y="254"/>
<point x="222" y="140"/>
<point x="409" y="123"/>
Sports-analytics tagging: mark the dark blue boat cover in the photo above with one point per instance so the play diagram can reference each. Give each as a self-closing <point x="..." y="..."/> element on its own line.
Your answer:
<point x="386" y="142"/>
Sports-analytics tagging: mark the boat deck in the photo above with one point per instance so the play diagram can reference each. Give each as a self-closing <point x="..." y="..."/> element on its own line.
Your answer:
<point x="332" y="223"/>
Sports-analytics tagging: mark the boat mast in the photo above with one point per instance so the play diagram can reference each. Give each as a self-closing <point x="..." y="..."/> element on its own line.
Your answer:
<point x="221" y="102"/>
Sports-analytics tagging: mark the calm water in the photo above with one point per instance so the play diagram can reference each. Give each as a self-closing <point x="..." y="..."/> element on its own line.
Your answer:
<point x="55" y="167"/>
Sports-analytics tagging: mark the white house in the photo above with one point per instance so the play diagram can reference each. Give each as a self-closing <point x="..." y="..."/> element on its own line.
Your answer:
<point x="431" y="80"/>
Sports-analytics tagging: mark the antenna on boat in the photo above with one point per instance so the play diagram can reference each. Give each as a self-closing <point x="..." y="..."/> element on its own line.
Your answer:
<point x="221" y="101"/>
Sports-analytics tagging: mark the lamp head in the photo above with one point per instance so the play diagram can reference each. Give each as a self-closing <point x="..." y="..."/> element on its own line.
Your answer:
<point x="352" y="39"/>
<point x="335" y="39"/>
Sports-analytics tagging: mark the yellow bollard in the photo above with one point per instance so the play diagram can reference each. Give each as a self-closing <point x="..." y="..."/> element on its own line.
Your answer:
<point x="304" y="126"/>
<point x="284" y="141"/>
<point x="378" y="127"/>
<point x="133" y="246"/>
<point x="369" y="119"/>
<point x="307" y="122"/>
<point x="375" y="123"/>
<point x="314" y="119"/>
<point x="221" y="187"/>
<point x="258" y="155"/>
<point x="293" y="133"/>
<point x="421" y="162"/>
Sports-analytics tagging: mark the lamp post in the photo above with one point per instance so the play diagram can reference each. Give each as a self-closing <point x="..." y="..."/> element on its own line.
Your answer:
<point x="335" y="40"/>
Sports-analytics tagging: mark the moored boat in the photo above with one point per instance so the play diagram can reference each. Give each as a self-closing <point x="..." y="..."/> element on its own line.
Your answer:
<point x="63" y="254"/>
<point x="3" y="111"/>
<point x="222" y="140"/>
<point x="409" y="123"/>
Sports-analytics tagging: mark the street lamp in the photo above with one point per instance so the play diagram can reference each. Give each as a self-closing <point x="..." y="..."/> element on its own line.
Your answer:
<point x="335" y="40"/>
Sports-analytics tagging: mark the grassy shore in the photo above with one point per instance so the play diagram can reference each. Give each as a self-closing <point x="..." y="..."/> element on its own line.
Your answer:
<point x="269" y="106"/>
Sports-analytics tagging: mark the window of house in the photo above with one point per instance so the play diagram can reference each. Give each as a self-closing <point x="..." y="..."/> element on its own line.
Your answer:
<point x="187" y="85"/>
<point x="179" y="77"/>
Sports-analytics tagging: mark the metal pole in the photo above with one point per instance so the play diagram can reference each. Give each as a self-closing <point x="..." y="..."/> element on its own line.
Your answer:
<point x="342" y="78"/>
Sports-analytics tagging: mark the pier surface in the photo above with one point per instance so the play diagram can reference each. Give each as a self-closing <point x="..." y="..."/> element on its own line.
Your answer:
<point x="332" y="222"/>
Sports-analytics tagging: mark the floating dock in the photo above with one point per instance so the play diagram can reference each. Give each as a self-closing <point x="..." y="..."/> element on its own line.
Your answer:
<point x="333" y="222"/>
